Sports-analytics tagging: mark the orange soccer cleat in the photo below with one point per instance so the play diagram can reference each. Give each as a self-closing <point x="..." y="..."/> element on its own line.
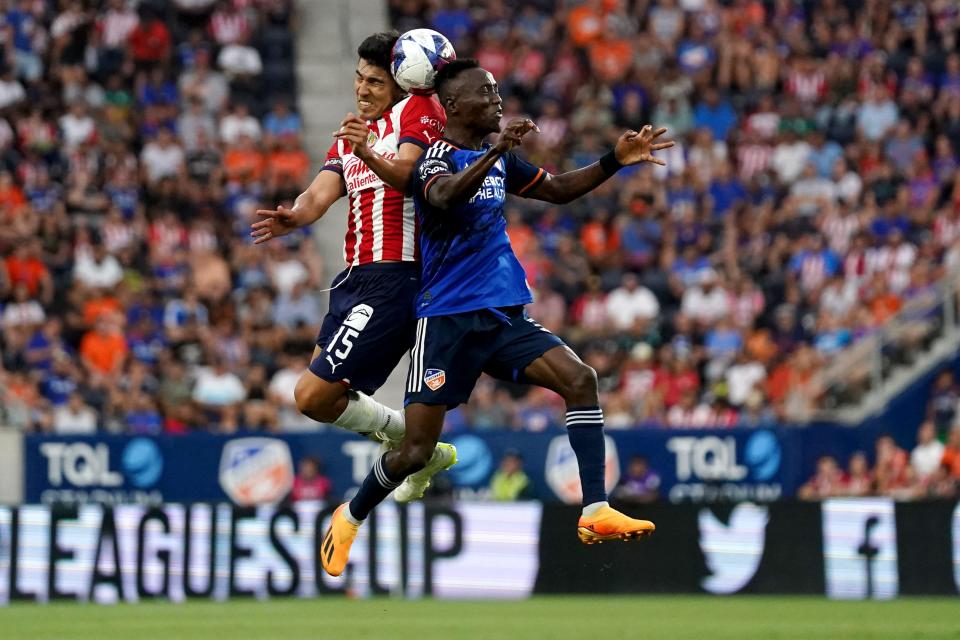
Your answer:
<point x="609" y="524"/>
<point x="335" y="548"/>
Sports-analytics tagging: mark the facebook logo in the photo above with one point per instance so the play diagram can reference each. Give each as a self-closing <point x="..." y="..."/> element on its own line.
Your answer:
<point x="860" y="548"/>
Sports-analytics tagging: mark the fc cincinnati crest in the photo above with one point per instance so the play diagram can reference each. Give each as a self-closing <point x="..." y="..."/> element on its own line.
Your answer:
<point x="372" y="139"/>
<point x="435" y="378"/>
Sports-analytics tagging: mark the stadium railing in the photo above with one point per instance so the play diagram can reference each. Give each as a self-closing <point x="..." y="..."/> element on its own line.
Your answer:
<point x="860" y="380"/>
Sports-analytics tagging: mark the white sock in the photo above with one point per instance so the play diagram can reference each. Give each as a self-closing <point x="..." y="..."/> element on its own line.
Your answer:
<point x="349" y="517"/>
<point x="364" y="414"/>
<point x="592" y="508"/>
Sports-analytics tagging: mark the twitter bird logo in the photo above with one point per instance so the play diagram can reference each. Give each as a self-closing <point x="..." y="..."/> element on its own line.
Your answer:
<point x="732" y="552"/>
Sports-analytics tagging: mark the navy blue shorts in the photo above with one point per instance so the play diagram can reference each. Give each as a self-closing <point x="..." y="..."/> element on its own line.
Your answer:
<point x="369" y="326"/>
<point x="450" y="353"/>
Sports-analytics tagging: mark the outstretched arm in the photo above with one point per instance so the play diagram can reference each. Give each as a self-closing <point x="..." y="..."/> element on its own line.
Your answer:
<point x="444" y="191"/>
<point x="632" y="148"/>
<point x="326" y="188"/>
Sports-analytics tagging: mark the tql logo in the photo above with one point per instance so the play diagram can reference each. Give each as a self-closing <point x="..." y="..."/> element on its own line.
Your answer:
<point x="712" y="458"/>
<point x="88" y="464"/>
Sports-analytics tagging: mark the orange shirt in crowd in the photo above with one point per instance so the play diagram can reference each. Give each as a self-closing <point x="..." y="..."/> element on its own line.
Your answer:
<point x="610" y="59"/>
<point x="103" y="352"/>
<point x="951" y="460"/>
<point x="584" y="24"/>
<point x="29" y="272"/>
<point x="884" y="306"/>
<point x="521" y="237"/>
<point x="95" y="308"/>
<point x="244" y="163"/>
<point x="598" y="240"/>
<point x="294" y="164"/>
<point x="11" y="199"/>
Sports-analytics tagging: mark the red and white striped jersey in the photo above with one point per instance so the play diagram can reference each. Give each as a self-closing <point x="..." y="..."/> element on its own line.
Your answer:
<point x="382" y="224"/>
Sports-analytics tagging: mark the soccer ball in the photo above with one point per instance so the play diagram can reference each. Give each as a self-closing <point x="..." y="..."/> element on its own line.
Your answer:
<point x="417" y="56"/>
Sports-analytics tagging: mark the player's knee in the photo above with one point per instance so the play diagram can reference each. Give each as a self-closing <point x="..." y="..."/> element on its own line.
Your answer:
<point x="414" y="456"/>
<point x="583" y="384"/>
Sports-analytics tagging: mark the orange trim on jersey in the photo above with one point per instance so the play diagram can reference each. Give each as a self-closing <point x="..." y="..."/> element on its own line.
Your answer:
<point x="447" y="141"/>
<point x="427" y="186"/>
<point x="531" y="183"/>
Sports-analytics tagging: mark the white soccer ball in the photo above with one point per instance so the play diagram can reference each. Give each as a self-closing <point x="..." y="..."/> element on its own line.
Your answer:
<point x="417" y="56"/>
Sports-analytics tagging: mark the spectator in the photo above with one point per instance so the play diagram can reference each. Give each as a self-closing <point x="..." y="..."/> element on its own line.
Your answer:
<point x="509" y="483"/>
<point x="640" y="485"/>
<point x="859" y="481"/>
<point x="74" y="417"/>
<point x="219" y="394"/>
<point x="892" y="468"/>
<point x="825" y="483"/>
<point x="926" y="456"/>
<point x="310" y="484"/>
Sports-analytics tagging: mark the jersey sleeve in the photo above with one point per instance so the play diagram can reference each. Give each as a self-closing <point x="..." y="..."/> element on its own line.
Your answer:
<point x="333" y="162"/>
<point x="521" y="175"/>
<point x="433" y="164"/>
<point x="421" y="121"/>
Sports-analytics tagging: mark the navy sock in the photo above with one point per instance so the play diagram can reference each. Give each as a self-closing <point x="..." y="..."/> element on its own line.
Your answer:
<point x="374" y="490"/>
<point x="585" y="430"/>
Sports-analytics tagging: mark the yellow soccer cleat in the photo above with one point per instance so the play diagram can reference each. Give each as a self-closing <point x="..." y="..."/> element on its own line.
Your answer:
<point x="609" y="524"/>
<point x="412" y="488"/>
<point x="335" y="548"/>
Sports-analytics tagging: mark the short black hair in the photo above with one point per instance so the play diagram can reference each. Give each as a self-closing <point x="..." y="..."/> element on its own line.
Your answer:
<point x="378" y="48"/>
<point x="450" y="71"/>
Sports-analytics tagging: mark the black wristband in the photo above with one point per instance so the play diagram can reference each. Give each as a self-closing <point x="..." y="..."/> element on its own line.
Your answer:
<point x="610" y="164"/>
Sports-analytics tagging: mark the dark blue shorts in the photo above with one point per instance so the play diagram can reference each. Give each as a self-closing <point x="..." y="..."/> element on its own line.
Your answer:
<point x="369" y="326"/>
<point x="450" y="352"/>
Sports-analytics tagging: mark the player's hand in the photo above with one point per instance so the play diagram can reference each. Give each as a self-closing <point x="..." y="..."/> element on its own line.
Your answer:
<point x="512" y="134"/>
<point x="275" y="223"/>
<point x="635" y="147"/>
<point x="355" y="131"/>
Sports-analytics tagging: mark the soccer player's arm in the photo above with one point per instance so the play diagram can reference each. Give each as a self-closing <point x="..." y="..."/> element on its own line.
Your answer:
<point x="436" y="182"/>
<point x="421" y="124"/>
<point x="632" y="148"/>
<point x="325" y="189"/>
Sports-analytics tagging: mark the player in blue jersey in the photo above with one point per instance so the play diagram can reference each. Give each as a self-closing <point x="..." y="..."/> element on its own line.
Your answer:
<point x="472" y="296"/>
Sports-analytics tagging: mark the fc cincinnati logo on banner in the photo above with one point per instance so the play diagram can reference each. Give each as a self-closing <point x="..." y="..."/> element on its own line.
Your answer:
<point x="435" y="378"/>
<point x="563" y="475"/>
<point x="256" y="470"/>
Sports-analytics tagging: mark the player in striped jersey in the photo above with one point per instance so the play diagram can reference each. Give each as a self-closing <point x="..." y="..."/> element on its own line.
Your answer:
<point x="371" y="322"/>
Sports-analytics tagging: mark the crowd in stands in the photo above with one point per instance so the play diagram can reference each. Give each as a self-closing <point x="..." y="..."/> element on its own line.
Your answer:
<point x="813" y="191"/>
<point x="136" y="141"/>
<point x="930" y="470"/>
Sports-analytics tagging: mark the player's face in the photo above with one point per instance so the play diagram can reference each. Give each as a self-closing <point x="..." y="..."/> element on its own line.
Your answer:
<point x="374" y="89"/>
<point x="478" y="101"/>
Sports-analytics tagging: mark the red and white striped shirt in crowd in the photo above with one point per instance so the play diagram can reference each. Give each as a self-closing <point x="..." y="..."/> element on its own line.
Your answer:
<point x="807" y="86"/>
<point x="167" y="235"/>
<point x="855" y="266"/>
<point x="229" y="27"/>
<point x="813" y="272"/>
<point x="839" y="231"/>
<point x="753" y="159"/>
<point x="946" y="228"/>
<point x="116" y="26"/>
<point x="382" y="224"/>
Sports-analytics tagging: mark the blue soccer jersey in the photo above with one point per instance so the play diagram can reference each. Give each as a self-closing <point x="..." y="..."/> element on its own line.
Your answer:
<point x="467" y="261"/>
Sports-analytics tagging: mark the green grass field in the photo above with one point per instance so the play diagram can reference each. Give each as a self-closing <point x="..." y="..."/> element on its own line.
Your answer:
<point x="660" y="618"/>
